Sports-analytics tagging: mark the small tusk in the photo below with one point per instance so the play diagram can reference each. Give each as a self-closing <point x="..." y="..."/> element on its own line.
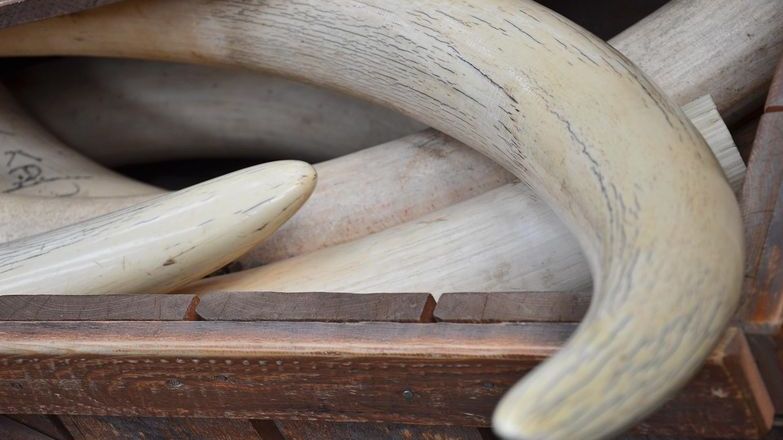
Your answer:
<point x="621" y="164"/>
<point x="160" y="244"/>
<point x="518" y="244"/>
<point x="34" y="163"/>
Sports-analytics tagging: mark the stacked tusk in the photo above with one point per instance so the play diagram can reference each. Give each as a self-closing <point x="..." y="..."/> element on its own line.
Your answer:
<point x="126" y="111"/>
<point x="518" y="244"/>
<point x="160" y="244"/>
<point x="34" y="163"/>
<point x="415" y="176"/>
<point x="656" y="219"/>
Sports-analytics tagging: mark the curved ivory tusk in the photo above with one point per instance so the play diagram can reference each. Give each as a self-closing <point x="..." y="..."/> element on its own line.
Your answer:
<point x="129" y="111"/>
<point x="519" y="244"/>
<point x="153" y="111"/>
<point x="658" y="223"/>
<point x="160" y="244"/>
<point x="692" y="53"/>
<point x="34" y="163"/>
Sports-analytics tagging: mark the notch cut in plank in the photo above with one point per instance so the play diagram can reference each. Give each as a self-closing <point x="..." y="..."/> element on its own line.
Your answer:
<point x="12" y="430"/>
<point x="762" y="212"/>
<point x="299" y="430"/>
<point x="97" y="307"/>
<point x="486" y="307"/>
<point x="13" y="12"/>
<point x="376" y="372"/>
<point x="316" y="306"/>
<point x="134" y="428"/>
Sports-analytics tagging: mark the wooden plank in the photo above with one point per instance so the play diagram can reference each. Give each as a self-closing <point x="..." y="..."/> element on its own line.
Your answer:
<point x="13" y="12"/>
<point x="775" y="96"/>
<point x="134" y="428"/>
<point x="436" y="374"/>
<point x="297" y="430"/>
<point x="46" y="424"/>
<point x="769" y="358"/>
<point x="762" y="210"/>
<point x="512" y="307"/>
<point x="328" y="307"/>
<point x="13" y="430"/>
<point x="97" y="307"/>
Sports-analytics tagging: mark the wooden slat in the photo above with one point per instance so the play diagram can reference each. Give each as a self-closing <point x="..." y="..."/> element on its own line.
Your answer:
<point x="439" y="374"/>
<point x="328" y="307"/>
<point x="762" y="209"/>
<point x="13" y="430"/>
<point x="135" y="428"/>
<point x="512" y="307"/>
<point x="13" y="12"/>
<point x="296" y="430"/>
<point x="45" y="424"/>
<point x="769" y="358"/>
<point x="97" y="308"/>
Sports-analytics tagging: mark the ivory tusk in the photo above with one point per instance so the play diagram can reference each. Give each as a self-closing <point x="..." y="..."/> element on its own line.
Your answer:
<point x="703" y="34"/>
<point x="519" y="244"/>
<point x="160" y="244"/>
<point x="34" y="163"/>
<point x="657" y="220"/>
<point x="127" y="111"/>
<point x="154" y="111"/>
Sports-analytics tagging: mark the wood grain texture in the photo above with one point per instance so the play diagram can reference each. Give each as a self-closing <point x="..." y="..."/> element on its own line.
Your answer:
<point x="482" y="73"/>
<point x="513" y="307"/>
<point x="97" y="308"/>
<point x="13" y="12"/>
<point x="324" y="307"/>
<point x="769" y="358"/>
<point x="49" y="425"/>
<point x="297" y="430"/>
<point x="160" y="244"/>
<point x="134" y="428"/>
<point x="13" y="430"/>
<point x="762" y="208"/>
<point x="329" y="372"/>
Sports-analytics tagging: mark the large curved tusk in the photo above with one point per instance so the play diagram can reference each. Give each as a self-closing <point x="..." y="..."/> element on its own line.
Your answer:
<point x="160" y="244"/>
<point x="658" y="223"/>
<point x="421" y="167"/>
<point x="519" y="244"/>
<point x="34" y="163"/>
<point x="153" y="111"/>
<point x="128" y="111"/>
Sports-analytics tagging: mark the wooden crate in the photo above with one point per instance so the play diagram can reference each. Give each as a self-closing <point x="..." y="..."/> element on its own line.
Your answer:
<point x="308" y="361"/>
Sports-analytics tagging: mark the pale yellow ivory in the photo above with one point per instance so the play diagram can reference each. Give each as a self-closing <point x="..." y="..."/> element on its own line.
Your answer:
<point x="552" y="104"/>
<point x="34" y="163"/>
<point x="518" y="245"/>
<point x="159" y="244"/>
